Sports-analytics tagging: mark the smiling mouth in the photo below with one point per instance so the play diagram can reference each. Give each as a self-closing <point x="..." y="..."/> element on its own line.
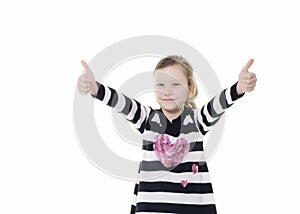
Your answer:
<point x="168" y="99"/>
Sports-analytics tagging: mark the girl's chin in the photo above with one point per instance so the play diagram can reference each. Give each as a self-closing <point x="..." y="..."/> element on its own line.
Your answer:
<point x="170" y="108"/>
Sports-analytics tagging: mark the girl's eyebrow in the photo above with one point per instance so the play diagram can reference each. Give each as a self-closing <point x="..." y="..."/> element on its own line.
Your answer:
<point x="177" y="81"/>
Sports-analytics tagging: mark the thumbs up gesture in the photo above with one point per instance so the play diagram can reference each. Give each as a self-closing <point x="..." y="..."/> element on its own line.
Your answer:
<point x="86" y="82"/>
<point x="247" y="80"/>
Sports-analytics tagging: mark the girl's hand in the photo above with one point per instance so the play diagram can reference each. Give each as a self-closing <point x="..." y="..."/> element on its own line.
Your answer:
<point x="247" y="80"/>
<point x="86" y="82"/>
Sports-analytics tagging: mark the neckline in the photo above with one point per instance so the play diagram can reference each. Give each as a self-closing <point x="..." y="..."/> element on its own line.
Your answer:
<point x="177" y="118"/>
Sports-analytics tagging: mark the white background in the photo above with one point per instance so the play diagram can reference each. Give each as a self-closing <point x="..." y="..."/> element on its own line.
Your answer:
<point x="43" y="169"/>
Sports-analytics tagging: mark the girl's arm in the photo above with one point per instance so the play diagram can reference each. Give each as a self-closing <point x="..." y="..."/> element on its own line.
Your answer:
<point x="210" y="113"/>
<point x="134" y="111"/>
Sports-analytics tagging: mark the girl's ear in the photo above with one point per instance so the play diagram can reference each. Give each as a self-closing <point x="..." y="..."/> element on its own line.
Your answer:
<point x="190" y="92"/>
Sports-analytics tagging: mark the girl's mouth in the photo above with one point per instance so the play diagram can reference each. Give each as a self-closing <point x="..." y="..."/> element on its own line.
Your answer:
<point x="168" y="99"/>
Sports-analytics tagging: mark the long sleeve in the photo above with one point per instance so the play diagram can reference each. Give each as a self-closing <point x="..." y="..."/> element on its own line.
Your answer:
<point x="211" y="112"/>
<point x="134" y="111"/>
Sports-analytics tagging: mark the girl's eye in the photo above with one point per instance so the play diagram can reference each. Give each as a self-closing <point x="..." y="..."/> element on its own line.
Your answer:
<point x="160" y="84"/>
<point x="176" y="84"/>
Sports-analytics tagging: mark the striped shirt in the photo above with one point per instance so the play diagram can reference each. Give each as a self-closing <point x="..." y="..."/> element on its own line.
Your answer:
<point x="174" y="180"/>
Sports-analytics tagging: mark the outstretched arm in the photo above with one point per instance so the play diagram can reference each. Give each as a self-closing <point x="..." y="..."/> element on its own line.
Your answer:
<point x="134" y="111"/>
<point x="210" y="113"/>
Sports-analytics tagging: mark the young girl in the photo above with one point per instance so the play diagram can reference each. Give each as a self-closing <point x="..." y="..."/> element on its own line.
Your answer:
<point x="173" y="175"/>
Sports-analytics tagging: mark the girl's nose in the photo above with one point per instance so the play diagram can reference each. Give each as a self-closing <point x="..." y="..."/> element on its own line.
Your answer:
<point x="167" y="91"/>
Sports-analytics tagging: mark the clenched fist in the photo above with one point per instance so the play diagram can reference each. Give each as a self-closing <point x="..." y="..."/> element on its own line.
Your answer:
<point x="247" y="80"/>
<point x="86" y="82"/>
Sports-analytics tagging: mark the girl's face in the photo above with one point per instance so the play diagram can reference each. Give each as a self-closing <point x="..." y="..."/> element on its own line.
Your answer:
<point x="171" y="88"/>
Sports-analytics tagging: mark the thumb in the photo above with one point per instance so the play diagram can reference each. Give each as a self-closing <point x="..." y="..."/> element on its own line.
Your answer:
<point x="88" y="70"/>
<point x="85" y="65"/>
<point x="248" y="65"/>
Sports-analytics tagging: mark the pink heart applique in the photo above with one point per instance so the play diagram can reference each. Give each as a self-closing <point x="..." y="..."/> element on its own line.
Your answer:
<point x="194" y="168"/>
<point x="184" y="183"/>
<point x="170" y="154"/>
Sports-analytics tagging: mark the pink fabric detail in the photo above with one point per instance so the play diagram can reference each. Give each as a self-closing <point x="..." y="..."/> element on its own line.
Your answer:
<point x="194" y="168"/>
<point x="170" y="154"/>
<point x="184" y="183"/>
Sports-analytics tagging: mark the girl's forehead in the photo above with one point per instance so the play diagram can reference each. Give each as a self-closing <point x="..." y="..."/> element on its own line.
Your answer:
<point x="175" y="72"/>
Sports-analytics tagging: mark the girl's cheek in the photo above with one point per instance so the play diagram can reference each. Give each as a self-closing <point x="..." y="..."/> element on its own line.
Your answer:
<point x="180" y="91"/>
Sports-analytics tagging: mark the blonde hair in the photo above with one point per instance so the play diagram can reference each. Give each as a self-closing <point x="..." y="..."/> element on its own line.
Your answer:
<point x="179" y="60"/>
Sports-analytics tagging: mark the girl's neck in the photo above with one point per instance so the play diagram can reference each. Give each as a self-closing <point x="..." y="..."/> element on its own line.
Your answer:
<point x="172" y="115"/>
